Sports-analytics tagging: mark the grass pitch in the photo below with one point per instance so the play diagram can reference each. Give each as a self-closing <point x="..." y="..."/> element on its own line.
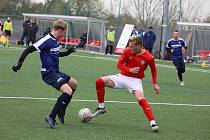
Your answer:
<point x="181" y="112"/>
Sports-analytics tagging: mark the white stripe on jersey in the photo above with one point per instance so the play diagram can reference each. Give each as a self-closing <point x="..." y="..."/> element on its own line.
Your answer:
<point x="168" y="42"/>
<point x="41" y="41"/>
<point x="172" y="39"/>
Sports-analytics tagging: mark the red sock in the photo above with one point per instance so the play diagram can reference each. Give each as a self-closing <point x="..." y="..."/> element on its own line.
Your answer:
<point x="146" y="108"/>
<point x="100" y="90"/>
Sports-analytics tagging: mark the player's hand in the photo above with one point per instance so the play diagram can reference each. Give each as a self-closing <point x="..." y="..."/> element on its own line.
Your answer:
<point x="134" y="70"/>
<point x="16" y="67"/>
<point x="172" y="50"/>
<point x="71" y="50"/>
<point x="156" y="88"/>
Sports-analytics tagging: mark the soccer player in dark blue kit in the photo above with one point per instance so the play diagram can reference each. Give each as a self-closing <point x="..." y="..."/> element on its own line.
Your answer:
<point x="48" y="47"/>
<point x="177" y="47"/>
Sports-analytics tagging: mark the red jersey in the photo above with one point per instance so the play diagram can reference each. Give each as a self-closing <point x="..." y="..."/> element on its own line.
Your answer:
<point x="129" y="60"/>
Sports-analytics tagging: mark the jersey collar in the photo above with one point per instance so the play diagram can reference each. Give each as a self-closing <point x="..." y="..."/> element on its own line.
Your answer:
<point x="52" y="36"/>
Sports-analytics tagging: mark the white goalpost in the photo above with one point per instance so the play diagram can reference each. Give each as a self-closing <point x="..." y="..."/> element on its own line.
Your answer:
<point x="197" y="40"/>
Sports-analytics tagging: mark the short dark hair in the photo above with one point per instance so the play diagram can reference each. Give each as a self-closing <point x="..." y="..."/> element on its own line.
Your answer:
<point x="176" y="30"/>
<point x="150" y="27"/>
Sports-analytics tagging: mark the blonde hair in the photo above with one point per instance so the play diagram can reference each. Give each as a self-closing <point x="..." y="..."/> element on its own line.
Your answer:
<point x="59" y="24"/>
<point x="137" y="40"/>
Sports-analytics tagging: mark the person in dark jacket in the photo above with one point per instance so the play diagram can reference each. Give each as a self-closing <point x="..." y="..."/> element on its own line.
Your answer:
<point x="47" y="31"/>
<point x="33" y="31"/>
<point x="26" y="30"/>
<point x="149" y="39"/>
<point x="1" y="26"/>
<point x="83" y="40"/>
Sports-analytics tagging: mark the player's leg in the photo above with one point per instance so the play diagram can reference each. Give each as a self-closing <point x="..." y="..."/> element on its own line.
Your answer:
<point x="101" y="83"/>
<point x="62" y="100"/>
<point x="59" y="83"/>
<point x="134" y="85"/>
<point x="73" y="84"/>
<point x="181" y="70"/>
<point x="180" y="66"/>
<point x="177" y="65"/>
<point x="146" y="108"/>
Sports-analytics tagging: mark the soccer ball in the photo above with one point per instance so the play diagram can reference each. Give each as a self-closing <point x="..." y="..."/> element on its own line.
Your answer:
<point x="85" y="114"/>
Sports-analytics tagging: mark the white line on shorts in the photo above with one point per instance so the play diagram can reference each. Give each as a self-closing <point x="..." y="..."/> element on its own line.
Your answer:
<point x="119" y="102"/>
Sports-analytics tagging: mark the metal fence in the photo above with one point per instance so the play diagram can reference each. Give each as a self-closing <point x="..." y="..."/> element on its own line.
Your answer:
<point x="202" y="41"/>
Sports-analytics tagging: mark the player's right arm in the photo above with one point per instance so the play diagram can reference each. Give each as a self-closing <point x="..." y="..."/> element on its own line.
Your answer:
<point x="168" y="46"/>
<point x="24" y="54"/>
<point x="121" y="62"/>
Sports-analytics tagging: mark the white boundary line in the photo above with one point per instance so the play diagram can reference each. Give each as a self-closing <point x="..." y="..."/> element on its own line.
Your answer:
<point x="119" y="102"/>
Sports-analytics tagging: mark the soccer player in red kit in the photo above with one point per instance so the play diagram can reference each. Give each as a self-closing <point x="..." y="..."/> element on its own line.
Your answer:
<point x="132" y="64"/>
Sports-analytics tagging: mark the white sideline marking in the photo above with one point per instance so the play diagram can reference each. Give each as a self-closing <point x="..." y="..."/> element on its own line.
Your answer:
<point x="120" y="102"/>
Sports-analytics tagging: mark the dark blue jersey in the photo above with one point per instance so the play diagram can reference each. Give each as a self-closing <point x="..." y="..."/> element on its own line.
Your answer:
<point x="176" y="45"/>
<point x="48" y="47"/>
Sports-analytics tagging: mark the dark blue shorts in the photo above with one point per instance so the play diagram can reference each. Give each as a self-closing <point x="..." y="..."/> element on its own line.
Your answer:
<point x="180" y="65"/>
<point x="56" y="79"/>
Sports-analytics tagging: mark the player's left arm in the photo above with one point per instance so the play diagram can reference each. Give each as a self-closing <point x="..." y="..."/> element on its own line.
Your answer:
<point x="67" y="52"/>
<point x="184" y="46"/>
<point x="154" y="76"/>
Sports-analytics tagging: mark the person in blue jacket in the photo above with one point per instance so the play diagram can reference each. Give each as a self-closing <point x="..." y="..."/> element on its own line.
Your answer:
<point x="149" y="39"/>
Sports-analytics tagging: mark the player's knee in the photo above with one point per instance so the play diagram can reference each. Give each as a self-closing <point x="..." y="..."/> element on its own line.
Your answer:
<point x="99" y="82"/>
<point x="73" y="83"/>
<point x="68" y="91"/>
<point x="139" y="95"/>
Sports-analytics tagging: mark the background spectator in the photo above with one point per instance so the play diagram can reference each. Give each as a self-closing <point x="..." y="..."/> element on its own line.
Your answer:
<point x="8" y="27"/>
<point x="1" y="26"/>
<point x="83" y="40"/>
<point x="110" y="37"/>
<point x="33" y="31"/>
<point x="47" y="31"/>
<point x="26" y="30"/>
<point x="149" y="39"/>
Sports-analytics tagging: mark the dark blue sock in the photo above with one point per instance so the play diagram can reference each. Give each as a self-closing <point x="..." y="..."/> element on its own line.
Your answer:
<point x="64" y="108"/>
<point x="62" y="101"/>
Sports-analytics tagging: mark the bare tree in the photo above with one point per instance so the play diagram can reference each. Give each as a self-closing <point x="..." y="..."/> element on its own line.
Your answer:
<point x="207" y="19"/>
<point x="191" y="11"/>
<point x="149" y="12"/>
<point x="90" y="8"/>
<point x="146" y="12"/>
